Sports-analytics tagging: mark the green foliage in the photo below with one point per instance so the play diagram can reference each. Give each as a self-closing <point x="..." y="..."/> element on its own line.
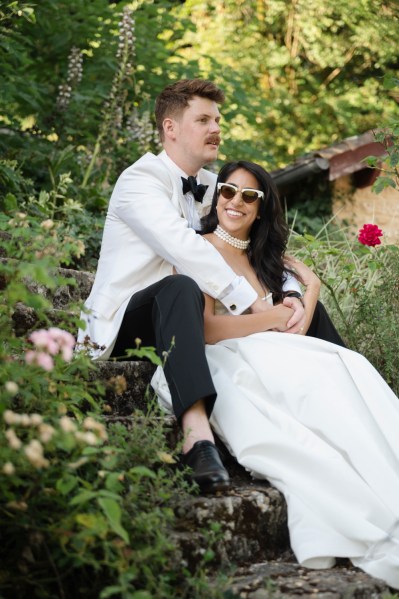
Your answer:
<point x="35" y="248"/>
<point x="85" y="509"/>
<point x="360" y="290"/>
<point x="389" y="138"/>
<point x="310" y="207"/>
<point x="375" y="320"/>
<point x="89" y="518"/>
<point x="79" y="84"/>
<point x="76" y="105"/>
<point x="299" y="74"/>
<point x="85" y="101"/>
<point x="55" y="214"/>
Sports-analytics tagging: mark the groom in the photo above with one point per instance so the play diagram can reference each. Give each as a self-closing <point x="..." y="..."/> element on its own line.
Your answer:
<point x="149" y="234"/>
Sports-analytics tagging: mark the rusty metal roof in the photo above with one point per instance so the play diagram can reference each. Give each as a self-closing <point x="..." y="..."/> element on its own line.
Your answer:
<point x="340" y="159"/>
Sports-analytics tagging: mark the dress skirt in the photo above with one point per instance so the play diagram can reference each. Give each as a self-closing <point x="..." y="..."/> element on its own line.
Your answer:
<point x="322" y="426"/>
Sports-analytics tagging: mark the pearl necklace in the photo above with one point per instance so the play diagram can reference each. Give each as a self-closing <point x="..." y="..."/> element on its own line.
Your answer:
<point x="240" y="244"/>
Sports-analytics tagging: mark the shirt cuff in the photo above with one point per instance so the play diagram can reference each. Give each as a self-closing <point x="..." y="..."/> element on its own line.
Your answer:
<point x="291" y="283"/>
<point x="238" y="296"/>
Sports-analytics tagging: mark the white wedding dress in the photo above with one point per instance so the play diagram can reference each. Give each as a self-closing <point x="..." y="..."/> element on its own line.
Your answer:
<point x="319" y="423"/>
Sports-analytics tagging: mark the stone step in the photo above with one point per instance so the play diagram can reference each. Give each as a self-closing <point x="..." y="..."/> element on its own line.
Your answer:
<point x="127" y="382"/>
<point x="251" y="516"/>
<point x="251" y="545"/>
<point x="250" y="519"/>
<point x="25" y="319"/>
<point x="66" y="302"/>
<point x="75" y="290"/>
<point x="127" y="385"/>
<point x="286" y="579"/>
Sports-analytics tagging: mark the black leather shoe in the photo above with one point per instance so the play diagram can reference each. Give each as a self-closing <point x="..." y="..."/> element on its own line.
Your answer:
<point x="208" y="470"/>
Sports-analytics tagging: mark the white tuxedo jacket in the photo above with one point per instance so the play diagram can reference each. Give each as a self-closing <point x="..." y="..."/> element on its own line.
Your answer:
<point x="146" y="233"/>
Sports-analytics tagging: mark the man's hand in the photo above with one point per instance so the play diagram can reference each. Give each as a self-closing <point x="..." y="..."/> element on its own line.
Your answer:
<point x="282" y="315"/>
<point x="260" y="305"/>
<point x="297" y="321"/>
<point x="303" y="273"/>
<point x="312" y="283"/>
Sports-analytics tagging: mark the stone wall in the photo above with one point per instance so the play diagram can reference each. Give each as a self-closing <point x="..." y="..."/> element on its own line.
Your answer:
<point x="359" y="206"/>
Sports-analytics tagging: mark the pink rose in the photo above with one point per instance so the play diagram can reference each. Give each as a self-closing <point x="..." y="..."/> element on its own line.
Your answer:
<point x="49" y="343"/>
<point x="44" y="340"/>
<point x="63" y="338"/>
<point x="67" y="353"/>
<point x="53" y="341"/>
<point x="39" y="358"/>
<point x="370" y="235"/>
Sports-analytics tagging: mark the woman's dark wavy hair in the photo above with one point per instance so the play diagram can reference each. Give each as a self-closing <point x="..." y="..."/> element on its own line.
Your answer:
<point x="269" y="233"/>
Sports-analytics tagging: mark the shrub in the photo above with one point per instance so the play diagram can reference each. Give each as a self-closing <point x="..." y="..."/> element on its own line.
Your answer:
<point x="360" y="290"/>
<point x="85" y="509"/>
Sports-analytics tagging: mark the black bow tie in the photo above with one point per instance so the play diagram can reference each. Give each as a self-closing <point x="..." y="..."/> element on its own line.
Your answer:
<point x="198" y="190"/>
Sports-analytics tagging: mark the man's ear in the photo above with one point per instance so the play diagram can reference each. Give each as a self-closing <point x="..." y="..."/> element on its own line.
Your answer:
<point x="169" y="128"/>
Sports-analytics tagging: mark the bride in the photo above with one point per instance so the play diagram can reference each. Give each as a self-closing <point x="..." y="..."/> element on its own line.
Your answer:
<point x="313" y="418"/>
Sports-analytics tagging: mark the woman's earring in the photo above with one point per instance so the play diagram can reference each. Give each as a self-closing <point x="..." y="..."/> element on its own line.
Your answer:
<point x="258" y="217"/>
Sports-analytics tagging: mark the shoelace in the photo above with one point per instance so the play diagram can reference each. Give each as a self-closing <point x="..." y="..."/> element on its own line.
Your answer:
<point x="206" y="452"/>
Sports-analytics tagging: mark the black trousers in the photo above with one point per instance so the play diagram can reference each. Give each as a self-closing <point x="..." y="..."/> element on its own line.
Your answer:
<point x="322" y="326"/>
<point x="169" y="315"/>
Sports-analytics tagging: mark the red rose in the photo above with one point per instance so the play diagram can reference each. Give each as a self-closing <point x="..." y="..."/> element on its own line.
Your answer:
<point x="370" y="235"/>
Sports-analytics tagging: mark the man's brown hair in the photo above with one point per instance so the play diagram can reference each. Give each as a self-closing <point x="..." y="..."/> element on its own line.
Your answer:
<point x="175" y="98"/>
